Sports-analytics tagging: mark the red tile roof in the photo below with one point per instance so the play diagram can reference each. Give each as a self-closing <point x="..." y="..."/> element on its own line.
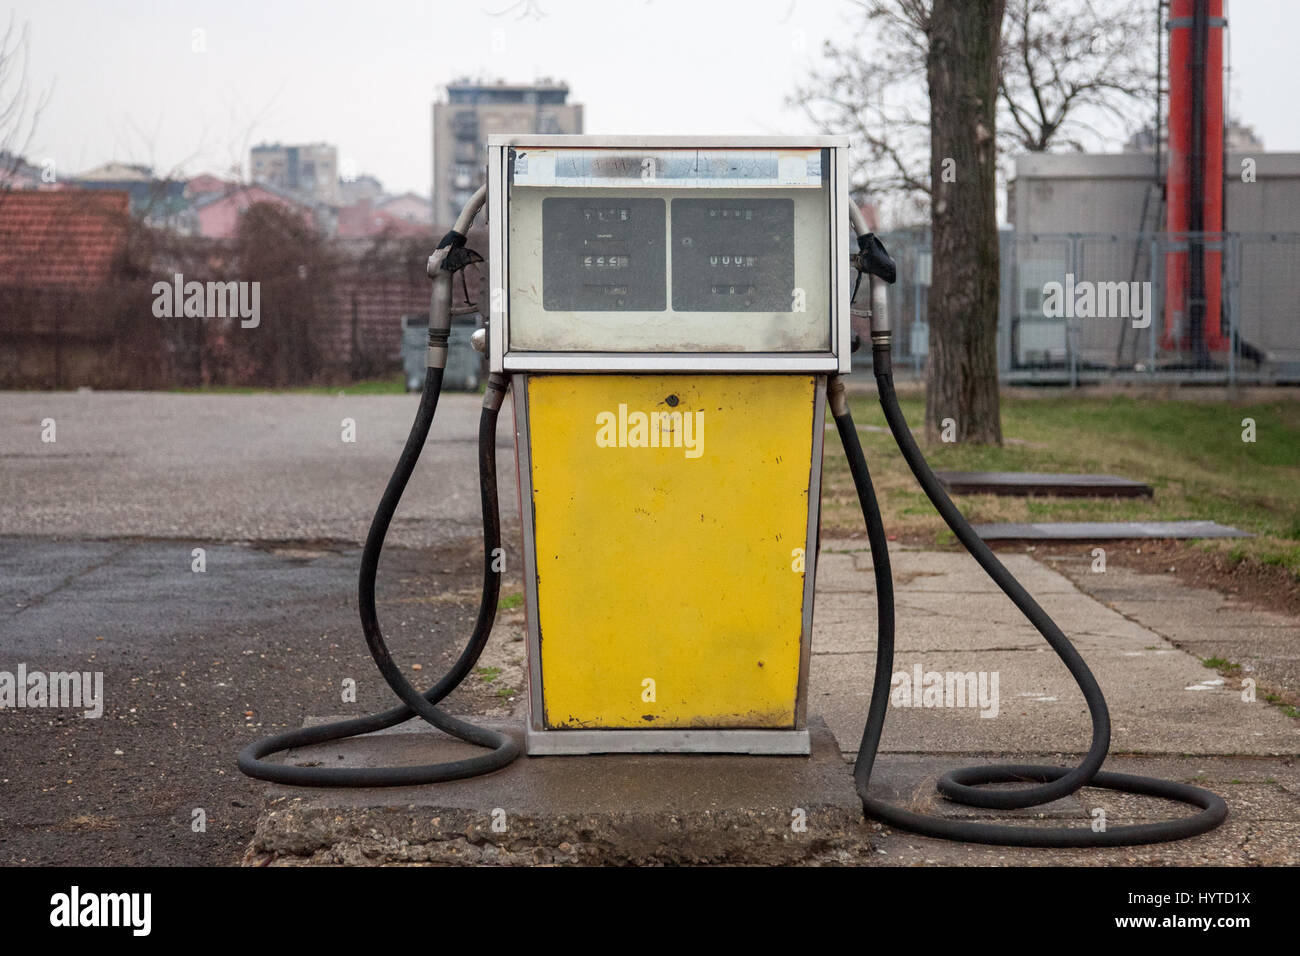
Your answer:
<point x="66" y="239"/>
<point x="204" y="184"/>
<point x="362" y="220"/>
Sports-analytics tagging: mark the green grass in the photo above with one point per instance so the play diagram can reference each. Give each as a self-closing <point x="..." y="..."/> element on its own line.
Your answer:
<point x="1288" y="709"/>
<point x="488" y="674"/>
<point x="394" y="384"/>
<point x="510" y="602"/>
<point x="1221" y="664"/>
<point x="1190" y="452"/>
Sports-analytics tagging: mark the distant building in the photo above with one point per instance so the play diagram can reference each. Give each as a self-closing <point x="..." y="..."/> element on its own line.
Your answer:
<point x="310" y="171"/>
<point x="472" y="111"/>
<point x="61" y="239"/>
<point x="1116" y="193"/>
<point x="363" y="220"/>
<point x="115" y="172"/>
<point x="157" y="202"/>
<point x="363" y="188"/>
<point x="61" y="252"/>
<point x="205" y="184"/>
<point x="409" y="207"/>
<point x="1112" y="202"/>
<point x="217" y="213"/>
<point x="1238" y="138"/>
<point x="17" y="173"/>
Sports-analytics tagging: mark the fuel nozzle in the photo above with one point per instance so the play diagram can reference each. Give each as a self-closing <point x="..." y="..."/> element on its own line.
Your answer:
<point x="874" y="261"/>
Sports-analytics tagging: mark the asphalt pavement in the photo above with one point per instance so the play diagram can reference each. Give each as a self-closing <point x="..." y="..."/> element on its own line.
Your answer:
<point x="224" y="468"/>
<point x="98" y="574"/>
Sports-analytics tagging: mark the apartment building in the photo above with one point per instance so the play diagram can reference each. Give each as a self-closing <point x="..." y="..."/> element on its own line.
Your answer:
<point x="310" y="171"/>
<point x="470" y="113"/>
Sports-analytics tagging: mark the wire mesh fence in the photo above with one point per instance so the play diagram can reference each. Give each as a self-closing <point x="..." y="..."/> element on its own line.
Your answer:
<point x="1086" y="307"/>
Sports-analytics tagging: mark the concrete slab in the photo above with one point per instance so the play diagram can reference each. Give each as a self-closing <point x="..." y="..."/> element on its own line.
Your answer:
<point x="1040" y="710"/>
<point x="1106" y="530"/>
<point x="850" y="629"/>
<point x="1171" y="611"/>
<point x="1264" y="645"/>
<point x="1074" y="613"/>
<point x="620" y="809"/>
<point x="1025" y="483"/>
<point x="1242" y="646"/>
<point x="958" y="573"/>
<point x="836" y="571"/>
<point x="1118" y="584"/>
<point x="854" y="631"/>
<point x="950" y="617"/>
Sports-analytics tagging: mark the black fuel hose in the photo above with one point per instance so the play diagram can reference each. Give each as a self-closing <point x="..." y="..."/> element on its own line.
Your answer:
<point x="503" y="748"/>
<point x="964" y="785"/>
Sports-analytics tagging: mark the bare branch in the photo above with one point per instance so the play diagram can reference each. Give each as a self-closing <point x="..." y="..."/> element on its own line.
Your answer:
<point x="1066" y="69"/>
<point x="20" y="113"/>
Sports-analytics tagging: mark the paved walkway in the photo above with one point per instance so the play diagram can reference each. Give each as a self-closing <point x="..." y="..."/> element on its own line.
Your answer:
<point x="1171" y="715"/>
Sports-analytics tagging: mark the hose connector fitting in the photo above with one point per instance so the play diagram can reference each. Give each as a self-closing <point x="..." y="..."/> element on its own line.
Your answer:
<point x="436" y="355"/>
<point x="836" y="397"/>
<point x="882" y="352"/>
<point x="495" y="392"/>
<point x="880" y="324"/>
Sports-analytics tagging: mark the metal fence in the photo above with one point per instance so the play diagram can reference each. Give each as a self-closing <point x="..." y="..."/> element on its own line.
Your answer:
<point x="1130" y="289"/>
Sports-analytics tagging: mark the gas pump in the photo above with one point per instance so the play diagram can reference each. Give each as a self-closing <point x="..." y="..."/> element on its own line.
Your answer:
<point x="672" y="315"/>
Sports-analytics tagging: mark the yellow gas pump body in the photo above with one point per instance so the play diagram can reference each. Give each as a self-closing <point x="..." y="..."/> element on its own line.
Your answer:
<point x="671" y="517"/>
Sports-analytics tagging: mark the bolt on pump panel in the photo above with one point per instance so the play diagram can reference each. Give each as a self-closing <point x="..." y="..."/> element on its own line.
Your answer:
<point x="669" y="309"/>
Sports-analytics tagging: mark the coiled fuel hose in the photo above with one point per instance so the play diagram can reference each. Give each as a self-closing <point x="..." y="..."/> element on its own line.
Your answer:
<point x="502" y="748"/>
<point x="966" y="785"/>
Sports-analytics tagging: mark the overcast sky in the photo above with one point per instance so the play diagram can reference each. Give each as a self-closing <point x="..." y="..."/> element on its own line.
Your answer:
<point x="127" y="83"/>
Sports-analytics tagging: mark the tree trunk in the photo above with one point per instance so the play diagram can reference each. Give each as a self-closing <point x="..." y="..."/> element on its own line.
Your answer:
<point x="961" y="387"/>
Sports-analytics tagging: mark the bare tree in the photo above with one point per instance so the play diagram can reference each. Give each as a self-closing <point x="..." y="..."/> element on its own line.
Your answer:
<point x="878" y="97"/>
<point x="20" y="110"/>
<point x="295" y="266"/>
<point x="243" y="125"/>
<point x="930" y="104"/>
<point x="962" y="373"/>
<point x="1066" y="68"/>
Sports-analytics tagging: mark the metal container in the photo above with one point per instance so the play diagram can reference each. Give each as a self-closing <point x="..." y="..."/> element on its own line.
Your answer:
<point x="464" y="365"/>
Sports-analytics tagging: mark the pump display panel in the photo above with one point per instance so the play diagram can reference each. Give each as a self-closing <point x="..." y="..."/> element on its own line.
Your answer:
<point x="733" y="255"/>
<point x="600" y="255"/>
<point x="609" y="254"/>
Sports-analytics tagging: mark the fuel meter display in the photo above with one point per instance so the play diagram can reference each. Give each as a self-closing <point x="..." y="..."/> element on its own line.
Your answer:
<point x="733" y="255"/>
<point x="603" y="254"/>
